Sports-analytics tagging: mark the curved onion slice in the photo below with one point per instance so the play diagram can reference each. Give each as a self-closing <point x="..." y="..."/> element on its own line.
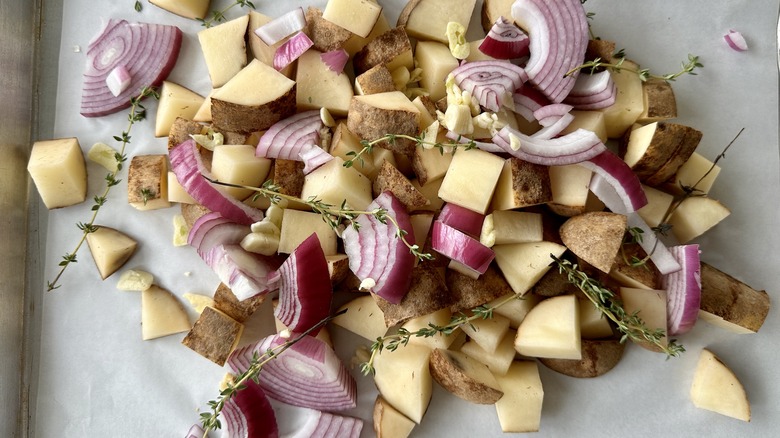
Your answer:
<point x="593" y="91"/>
<point x="558" y="33"/>
<point x="683" y="289"/>
<point x="281" y="27"/>
<point x="245" y="273"/>
<point x="190" y="172"/>
<point x="571" y="148"/>
<point x="248" y="414"/>
<point x="335" y="60"/>
<point x="147" y="51"/>
<point x="212" y="229"/>
<point x="291" y="50"/>
<point x="736" y="41"/>
<point x="621" y="178"/>
<point x="195" y="432"/>
<point x="305" y="291"/>
<point x="527" y="100"/>
<point x="493" y="83"/>
<point x="297" y="422"/>
<point x="295" y="138"/>
<point x="377" y="253"/>
<point x="460" y="218"/>
<point x="308" y="374"/>
<point x="505" y="41"/>
<point x="461" y="247"/>
<point x="554" y="117"/>
<point x="554" y="128"/>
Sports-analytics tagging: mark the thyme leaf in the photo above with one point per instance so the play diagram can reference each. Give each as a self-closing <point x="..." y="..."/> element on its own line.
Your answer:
<point x="218" y="15"/>
<point x="368" y="146"/>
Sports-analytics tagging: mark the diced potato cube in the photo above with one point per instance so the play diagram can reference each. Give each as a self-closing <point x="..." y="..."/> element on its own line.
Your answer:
<point x="175" y="101"/>
<point x="471" y="179"/>
<point x="520" y="409"/>
<point x="658" y="204"/>
<point x="176" y="192"/>
<point x="320" y="87"/>
<point x="522" y="184"/>
<point x="224" y="49"/>
<point x="297" y="226"/>
<point x="697" y="171"/>
<point x="237" y="164"/>
<point x="147" y="182"/>
<point x="436" y="62"/>
<point x="357" y="16"/>
<point x="214" y="335"/>
<point x="590" y="120"/>
<point x="333" y="183"/>
<point x="695" y="215"/>
<point x="162" y="314"/>
<point x="629" y="102"/>
<point x="428" y="19"/>
<point x="186" y="8"/>
<point x="58" y="170"/>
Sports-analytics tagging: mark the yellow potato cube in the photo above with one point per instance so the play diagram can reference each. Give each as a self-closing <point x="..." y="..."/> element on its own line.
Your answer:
<point x="59" y="172"/>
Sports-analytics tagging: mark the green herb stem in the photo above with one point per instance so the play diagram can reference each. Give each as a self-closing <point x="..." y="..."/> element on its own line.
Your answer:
<point x="137" y="114"/>
<point x="688" y="67"/>
<point x="368" y="146"/>
<point x="218" y="16"/>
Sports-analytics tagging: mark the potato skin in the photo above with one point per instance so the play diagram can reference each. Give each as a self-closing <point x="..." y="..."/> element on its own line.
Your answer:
<point x="370" y="123"/>
<point x="325" y="35"/>
<point x="595" y="237"/>
<point x="427" y="294"/>
<point x="382" y="50"/>
<point x="734" y="301"/>
<point x="227" y="116"/>
<point x="447" y="371"/>
<point x="598" y="357"/>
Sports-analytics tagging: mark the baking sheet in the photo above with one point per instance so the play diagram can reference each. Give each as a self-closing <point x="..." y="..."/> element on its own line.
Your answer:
<point x="97" y="378"/>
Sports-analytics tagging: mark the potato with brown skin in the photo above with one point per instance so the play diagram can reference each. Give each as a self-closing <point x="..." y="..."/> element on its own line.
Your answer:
<point x="595" y="237"/>
<point x="214" y="335"/>
<point x="193" y="212"/>
<point x="180" y="131"/>
<point x="391" y="48"/>
<point x="288" y="175"/>
<point x="230" y="116"/>
<point x="469" y="293"/>
<point x="522" y="184"/>
<point x="660" y="103"/>
<point x="377" y="79"/>
<point x="640" y="275"/>
<point x="464" y="377"/>
<point x="598" y="358"/>
<point x="730" y="303"/>
<point x="147" y="182"/>
<point x="391" y="179"/>
<point x="657" y="150"/>
<point x="388" y="422"/>
<point x="602" y="49"/>
<point x="226" y="301"/>
<point x="325" y="35"/>
<point x="376" y="115"/>
<point x="427" y="294"/>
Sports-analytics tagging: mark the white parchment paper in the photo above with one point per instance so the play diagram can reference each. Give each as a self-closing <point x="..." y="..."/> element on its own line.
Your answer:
<point x="97" y="378"/>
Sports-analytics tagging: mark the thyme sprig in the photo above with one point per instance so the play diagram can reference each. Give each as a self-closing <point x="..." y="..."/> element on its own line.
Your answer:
<point x="368" y="146"/>
<point x="218" y="15"/>
<point x="331" y="214"/>
<point x="629" y="324"/>
<point x="402" y="336"/>
<point x="645" y="74"/>
<point x="137" y="113"/>
<point x="210" y="420"/>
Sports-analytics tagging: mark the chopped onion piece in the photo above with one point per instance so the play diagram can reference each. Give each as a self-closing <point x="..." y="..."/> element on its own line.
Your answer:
<point x="683" y="289"/>
<point x="335" y="60"/>
<point x="291" y="50"/>
<point x="621" y="178"/>
<point x="462" y="248"/>
<point x="376" y="252"/>
<point x="245" y="273"/>
<point x="281" y="27"/>
<point x="736" y="40"/>
<point x="492" y="83"/>
<point x="571" y="148"/>
<point x="305" y="290"/>
<point x="462" y="219"/>
<point x="554" y="127"/>
<point x="147" y="51"/>
<point x="593" y="91"/>
<point x="297" y="422"/>
<point x="212" y="229"/>
<point x="308" y="374"/>
<point x="505" y="41"/>
<point x="195" y="432"/>
<point x="118" y="80"/>
<point x="190" y="172"/>
<point x="527" y="100"/>
<point x="248" y="414"/>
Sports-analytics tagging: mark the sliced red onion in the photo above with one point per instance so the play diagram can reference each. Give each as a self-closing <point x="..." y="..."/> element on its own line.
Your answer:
<point x="617" y="174"/>
<point x="376" y="253"/>
<point x="147" y="51"/>
<point x="658" y="252"/>
<point x="305" y="291"/>
<point x="308" y="374"/>
<point x="297" y="422"/>
<point x="549" y="114"/>
<point x="555" y="126"/>
<point x="118" y="80"/>
<point x="335" y="60"/>
<point x="460" y="247"/>
<point x="195" y="432"/>
<point x="593" y="91"/>
<point x="244" y="272"/>
<point x="505" y="41"/>
<point x="571" y="148"/>
<point x="281" y="27"/>
<point x="286" y="138"/>
<point x="212" y="229"/>
<point x="462" y="219"/>
<point x="313" y="157"/>
<point x="558" y="33"/>
<point x="190" y="172"/>
<point x="735" y="40"/>
<point x="493" y="83"/>
<point x="683" y="289"/>
<point x="291" y="50"/>
<point x="527" y="100"/>
<point x="248" y="414"/>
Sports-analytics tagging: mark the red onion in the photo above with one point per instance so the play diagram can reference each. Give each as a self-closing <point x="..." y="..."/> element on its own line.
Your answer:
<point x="462" y="219"/>
<point x="558" y="33"/>
<point x="571" y="148"/>
<point x="335" y="60"/>
<point x="248" y="414"/>
<point x="147" y="51"/>
<point x="281" y="27"/>
<point x="212" y="229"/>
<point x="308" y="374"/>
<point x="305" y="290"/>
<point x="663" y="260"/>
<point x="195" y="432"/>
<point x="296" y="422"/>
<point x="527" y="100"/>
<point x="313" y="157"/>
<point x="621" y="178"/>
<point x="190" y="172"/>
<point x="118" y="80"/>
<point x="505" y="41"/>
<point x="593" y="91"/>
<point x="736" y="41"/>
<point x="683" y="289"/>
<point x="291" y="50"/>
<point x="295" y="138"/>
<point x="461" y="247"/>
<point x="554" y="117"/>
<point x="244" y="272"/>
<point x="376" y="252"/>
<point x="555" y="127"/>
<point x="493" y="83"/>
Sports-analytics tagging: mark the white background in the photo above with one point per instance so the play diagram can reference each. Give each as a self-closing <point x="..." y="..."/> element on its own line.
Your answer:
<point x="97" y="378"/>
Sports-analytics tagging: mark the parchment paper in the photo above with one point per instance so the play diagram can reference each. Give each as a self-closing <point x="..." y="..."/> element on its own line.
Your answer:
<point x="97" y="378"/>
